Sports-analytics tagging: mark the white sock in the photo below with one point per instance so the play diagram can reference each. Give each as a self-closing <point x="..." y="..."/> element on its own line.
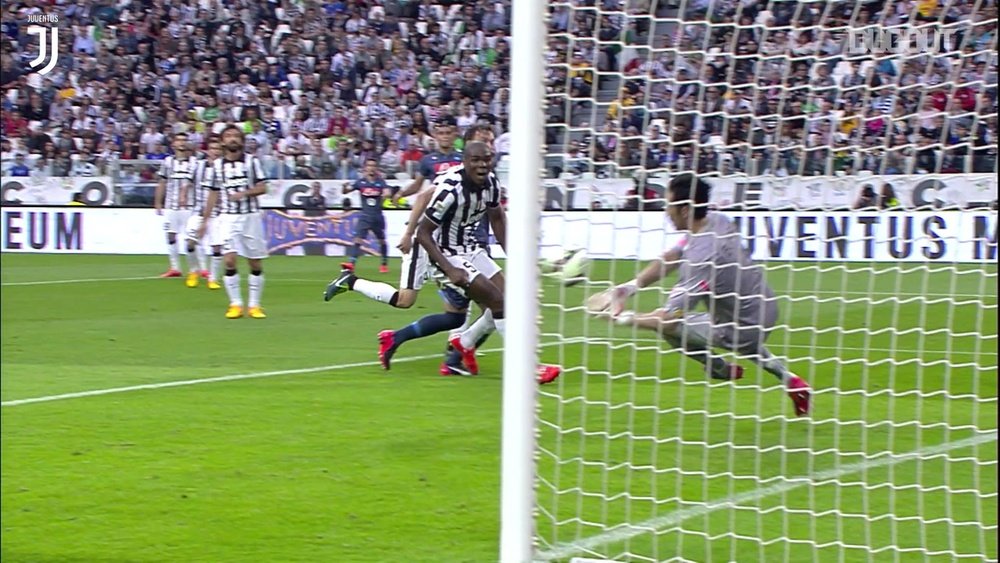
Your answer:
<point x="379" y="291"/>
<point x="232" y="284"/>
<point x="256" y="285"/>
<point x="465" y="325"/>
<point x="175" y="253"/>
<point x="213" y="272"/>
<point x="199" y="253"/>
<point x="500" y="324"/>
<point x="482" y="325"/>
<point x="192" y="258"/>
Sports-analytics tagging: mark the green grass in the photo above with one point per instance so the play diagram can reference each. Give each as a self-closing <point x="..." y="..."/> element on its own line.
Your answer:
<point x="360" y="465"/>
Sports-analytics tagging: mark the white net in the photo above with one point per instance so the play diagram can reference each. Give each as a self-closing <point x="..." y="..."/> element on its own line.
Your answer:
<point x="862" y="177"/>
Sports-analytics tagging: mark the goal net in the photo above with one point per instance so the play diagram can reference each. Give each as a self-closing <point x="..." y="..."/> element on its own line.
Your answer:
<point x="854" y="146"/>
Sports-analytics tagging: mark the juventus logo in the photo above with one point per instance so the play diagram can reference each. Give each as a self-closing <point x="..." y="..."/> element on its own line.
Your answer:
<point x="43" y="34"/>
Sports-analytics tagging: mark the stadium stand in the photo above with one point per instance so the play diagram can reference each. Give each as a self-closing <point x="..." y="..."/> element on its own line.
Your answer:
<point x="744" y="88"/>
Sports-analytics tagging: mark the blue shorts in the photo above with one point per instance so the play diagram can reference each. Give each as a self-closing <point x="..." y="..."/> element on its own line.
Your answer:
<point x="452" y="297"/>
<point x="374" y="225"/>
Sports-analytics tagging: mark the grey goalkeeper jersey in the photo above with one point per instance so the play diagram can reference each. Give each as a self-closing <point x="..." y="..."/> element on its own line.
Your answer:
<point x="717" y="271"/>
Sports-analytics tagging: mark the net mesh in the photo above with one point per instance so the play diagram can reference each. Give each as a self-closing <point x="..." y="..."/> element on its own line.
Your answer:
<point x="861" y="177"/>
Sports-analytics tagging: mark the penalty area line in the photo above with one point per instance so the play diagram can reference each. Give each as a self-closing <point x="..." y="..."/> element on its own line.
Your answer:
<point x="218" y="379"/>
<point x="665" y="523"/>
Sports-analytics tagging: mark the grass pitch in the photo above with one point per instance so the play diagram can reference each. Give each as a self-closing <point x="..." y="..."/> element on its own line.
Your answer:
<point x="349" y="463"/>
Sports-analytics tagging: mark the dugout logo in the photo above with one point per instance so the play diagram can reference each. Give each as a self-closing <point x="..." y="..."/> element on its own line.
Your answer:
<point x="48" y="42"/>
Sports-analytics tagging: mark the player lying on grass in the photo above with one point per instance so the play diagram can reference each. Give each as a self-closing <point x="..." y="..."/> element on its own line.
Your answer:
<point x="447" y="232"/>
<point x="714" y="270"/>
<point x="415" y="266"/>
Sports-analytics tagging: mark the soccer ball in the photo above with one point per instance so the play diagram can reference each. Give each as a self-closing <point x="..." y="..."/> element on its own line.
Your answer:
<point x="571" y="268"/>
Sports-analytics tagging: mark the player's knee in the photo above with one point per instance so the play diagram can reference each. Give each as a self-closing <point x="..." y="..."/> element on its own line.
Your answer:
<point x="405" y="299"/>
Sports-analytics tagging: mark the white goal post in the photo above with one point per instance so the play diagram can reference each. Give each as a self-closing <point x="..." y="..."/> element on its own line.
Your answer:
<point x="859" y="172"/>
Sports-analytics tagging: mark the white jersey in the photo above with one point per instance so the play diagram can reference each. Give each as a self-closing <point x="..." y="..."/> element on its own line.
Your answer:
<point x="232" y="176"/>
<point x="178" y="173"/>
<point x="457" y="208"/>
<point x="202" y="185"/>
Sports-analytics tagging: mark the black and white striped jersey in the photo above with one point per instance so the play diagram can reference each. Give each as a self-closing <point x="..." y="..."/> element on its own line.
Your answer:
<point x="202" y="185"/>
<point x="457" y="207"/>
<point x="232" y="176"/>
<point x="178" y="172"/>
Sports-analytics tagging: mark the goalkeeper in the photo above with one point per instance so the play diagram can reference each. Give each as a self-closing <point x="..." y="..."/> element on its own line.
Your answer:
<point x="714" y="270"/>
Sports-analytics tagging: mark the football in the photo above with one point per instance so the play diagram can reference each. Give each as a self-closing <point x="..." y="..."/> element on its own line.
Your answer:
<point x="571" y="267"/>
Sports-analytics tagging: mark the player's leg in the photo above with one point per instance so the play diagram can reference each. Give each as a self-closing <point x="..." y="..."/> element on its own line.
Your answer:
<point x="231" y="226"/>
<point x="383" y="246"/>
<point x="354" y="252"/>
<point x="173" y="252"/>
<point x="195" y="259"/>
<point x="255" y="250"/>
<point x="453" y="316"/>
<point x="750" y="342"/>
<point x="213" y="267"/>
<point x="411" y="279"/>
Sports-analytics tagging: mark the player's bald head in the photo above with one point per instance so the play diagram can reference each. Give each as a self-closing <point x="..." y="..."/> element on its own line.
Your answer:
<point x="476" y="149"/>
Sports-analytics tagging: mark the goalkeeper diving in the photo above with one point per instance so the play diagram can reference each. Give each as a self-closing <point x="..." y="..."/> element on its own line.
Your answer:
<point x="713" y="270"/>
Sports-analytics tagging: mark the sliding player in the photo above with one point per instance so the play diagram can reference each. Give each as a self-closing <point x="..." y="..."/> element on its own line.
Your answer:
<point x="714" y="270"/>
<point x="415" y="265"/>
<point x="461" y="197"/>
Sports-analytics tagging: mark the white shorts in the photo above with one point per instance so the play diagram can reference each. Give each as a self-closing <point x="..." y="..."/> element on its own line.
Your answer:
<point x="212" y="235"/>
<point x="242" y="233"/>
<point x="414" y="270"/>
<point x="175" y="220"/>
<point x="477" y="263"/>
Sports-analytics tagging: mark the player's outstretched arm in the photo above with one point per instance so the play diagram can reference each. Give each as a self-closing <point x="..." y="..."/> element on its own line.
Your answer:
<point x="411" y="189"/>
<point x="420" y="204"/>
<point x="614" y="299"/>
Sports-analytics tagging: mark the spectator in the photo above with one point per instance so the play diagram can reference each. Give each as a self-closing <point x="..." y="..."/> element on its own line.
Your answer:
<point x="867" y="199"/>
<point x="19" y="168"/>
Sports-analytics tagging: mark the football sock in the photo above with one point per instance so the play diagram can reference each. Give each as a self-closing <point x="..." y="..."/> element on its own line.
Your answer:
<point x="379" y="291"/>
<point x="772" y="365"/>
<point x="200" y="255"/>
<point x="385" y="253"/>
<point x="175" y="253"/>
<point x="213" y="272"/>
<point x="255" y="281"/>
<point x="426" y="326"/>
<point x="482" y="326"/>
<point x="232" y="283"/>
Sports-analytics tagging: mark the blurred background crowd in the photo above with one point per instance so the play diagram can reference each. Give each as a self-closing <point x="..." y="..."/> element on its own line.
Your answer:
<point x="726" y="86"/>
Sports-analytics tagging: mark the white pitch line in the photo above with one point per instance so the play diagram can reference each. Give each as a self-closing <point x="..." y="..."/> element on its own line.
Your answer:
<point x="218" y="379"/>
<point x="660" y="524"/>
<point x="84" y="280"/>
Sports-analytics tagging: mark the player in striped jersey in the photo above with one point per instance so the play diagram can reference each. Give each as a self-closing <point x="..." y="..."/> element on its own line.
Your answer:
<point x="202" y="183"/>
<point x="238" y="179"/>
<point x="173" y="200"/>
<point x="414" y="268"/>
<point x="447" y="232"/>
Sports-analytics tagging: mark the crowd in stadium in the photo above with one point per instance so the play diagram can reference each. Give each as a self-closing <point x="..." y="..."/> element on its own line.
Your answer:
<point x="748" y="87"/>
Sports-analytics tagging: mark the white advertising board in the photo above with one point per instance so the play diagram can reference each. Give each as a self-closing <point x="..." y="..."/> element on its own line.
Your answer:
<point x="946" y="236"/>
<point x="53" y="190"/>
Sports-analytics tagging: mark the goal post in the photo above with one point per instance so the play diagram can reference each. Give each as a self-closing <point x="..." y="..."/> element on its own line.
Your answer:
<point x="860" y="176"/>
<point x="521" y="296"/>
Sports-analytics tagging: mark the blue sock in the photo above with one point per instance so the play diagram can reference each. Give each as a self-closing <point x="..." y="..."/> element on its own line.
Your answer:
<point x="426" y="326"/>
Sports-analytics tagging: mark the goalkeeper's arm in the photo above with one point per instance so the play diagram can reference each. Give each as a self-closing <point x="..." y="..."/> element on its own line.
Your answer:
<point x="652" y="273"/>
